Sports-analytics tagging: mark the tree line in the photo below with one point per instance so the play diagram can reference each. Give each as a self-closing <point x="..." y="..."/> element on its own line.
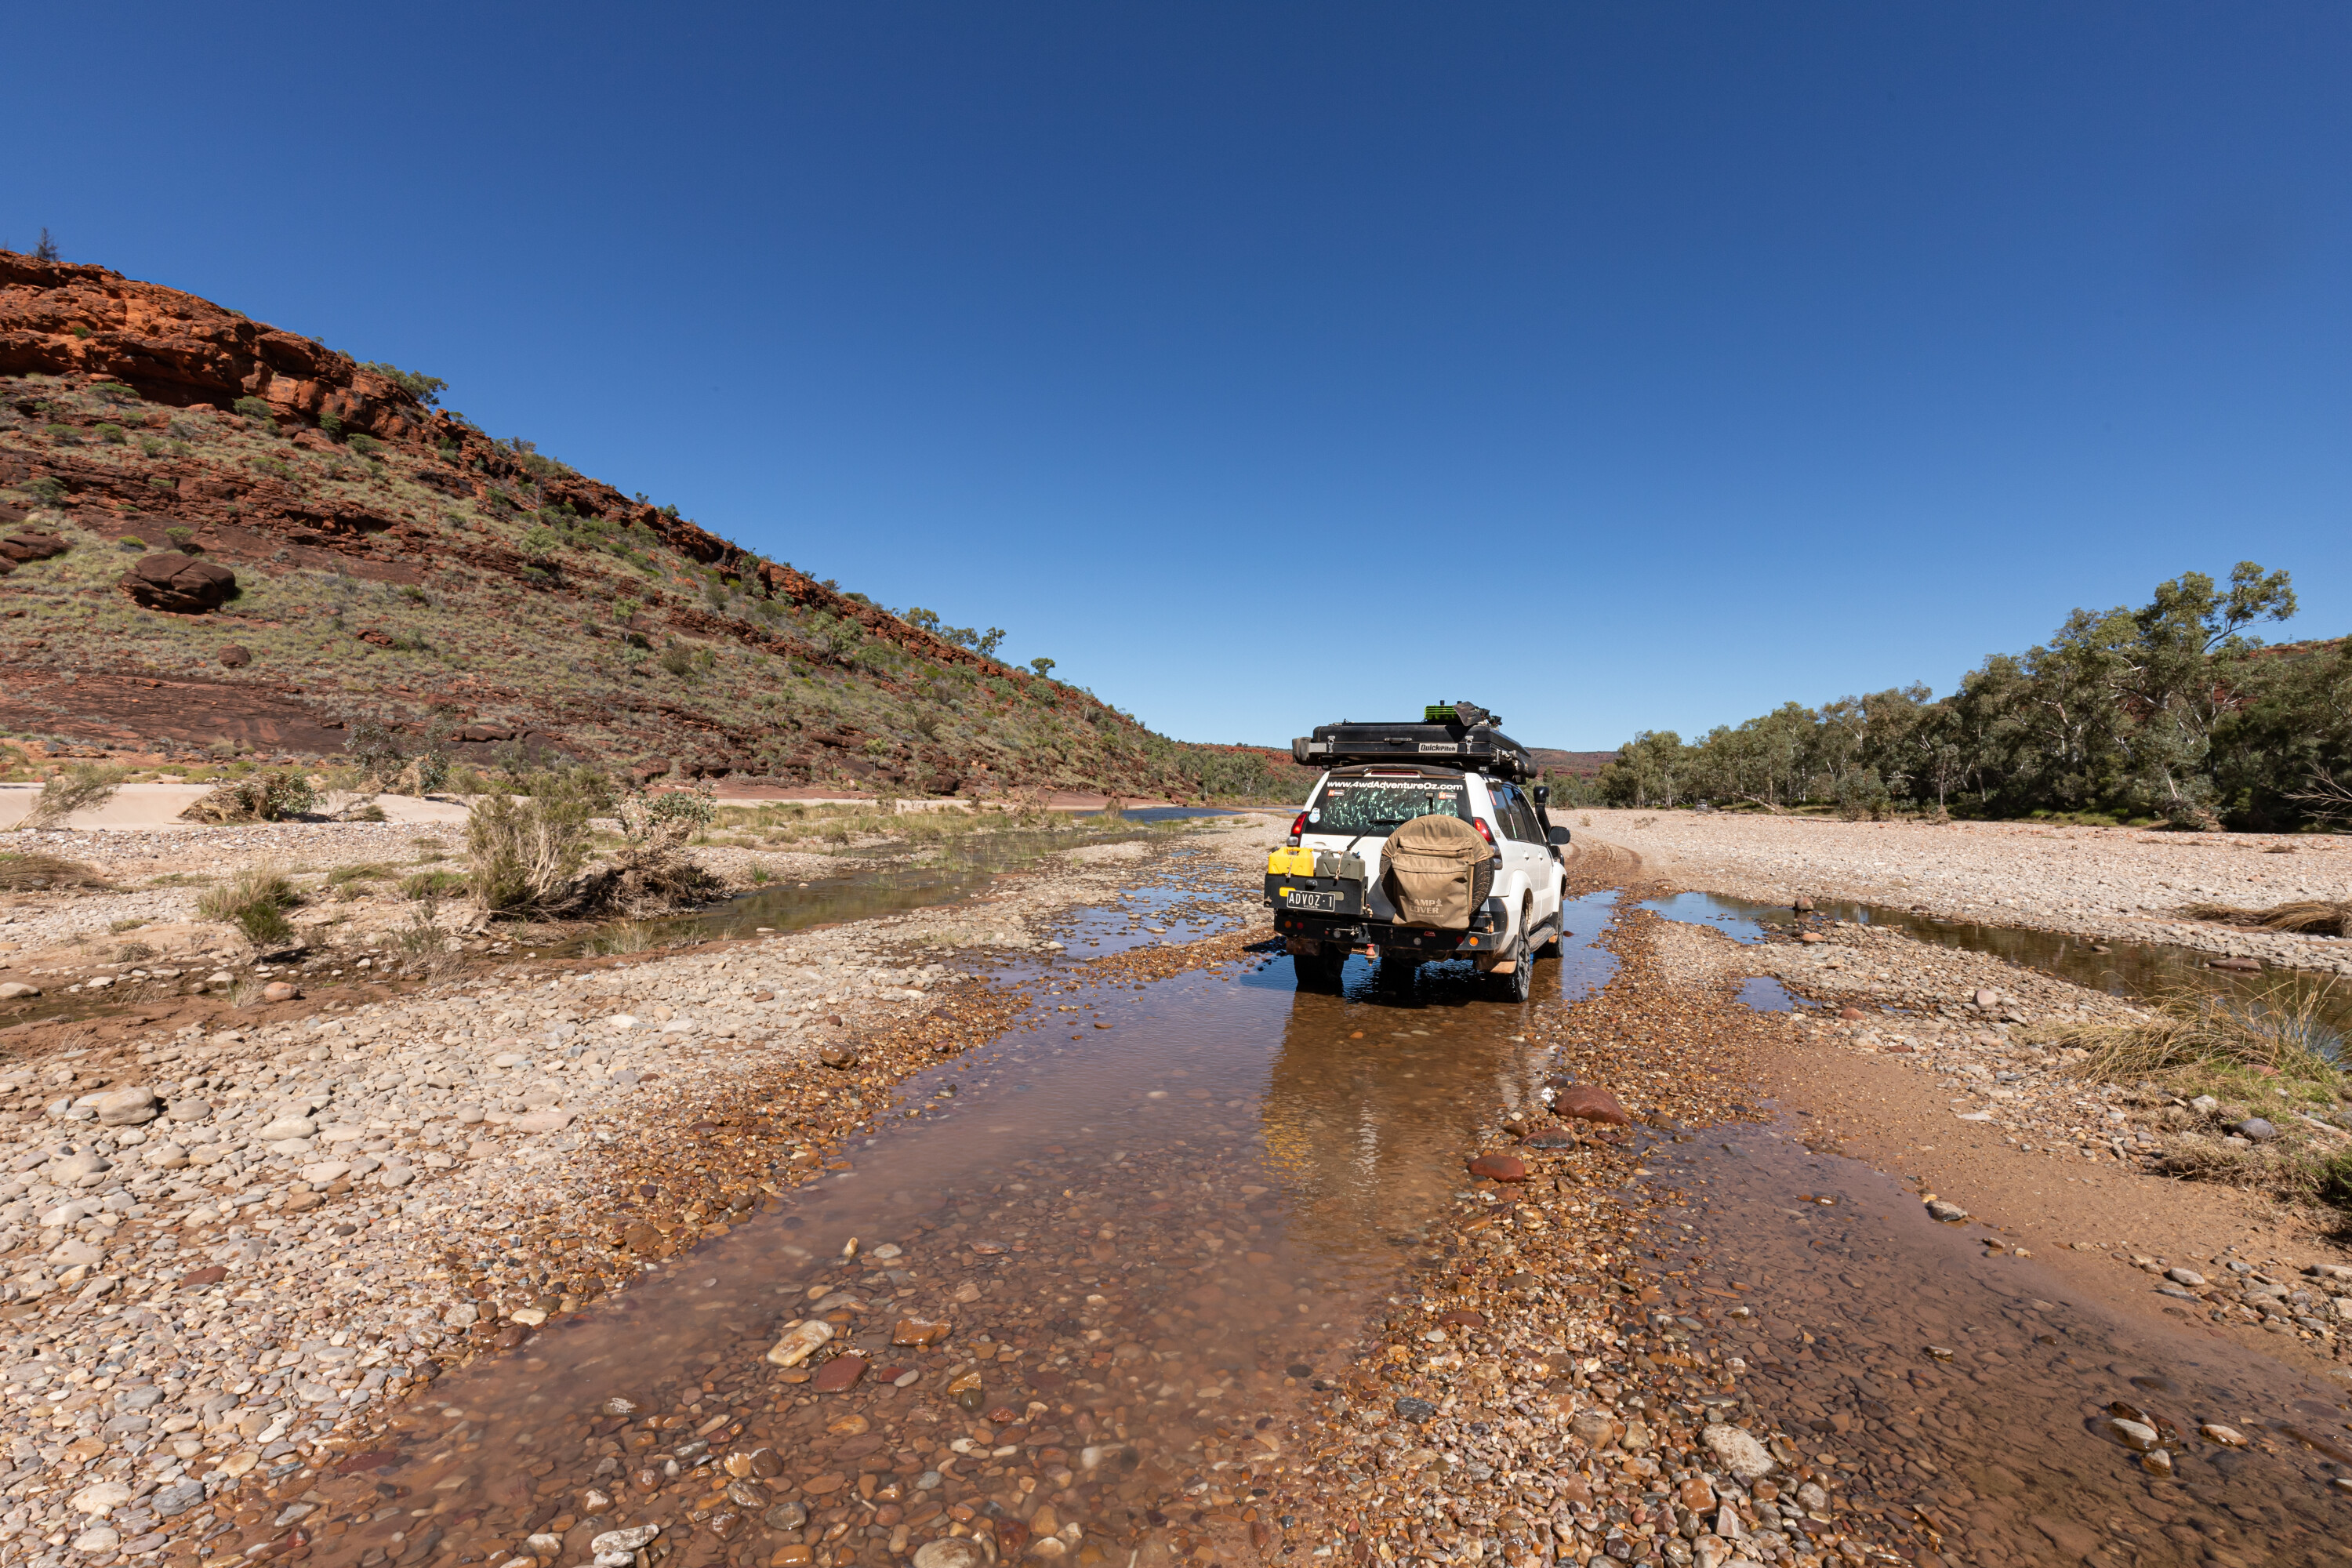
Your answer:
<point x="2169" y="712"/>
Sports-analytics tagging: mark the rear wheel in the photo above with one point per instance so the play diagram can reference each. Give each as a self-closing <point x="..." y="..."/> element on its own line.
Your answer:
<point x="1320" y="970"/>
<point x="1514" y="987"/>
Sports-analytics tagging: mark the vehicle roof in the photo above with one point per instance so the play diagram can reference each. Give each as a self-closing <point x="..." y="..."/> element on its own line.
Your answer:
<point x="1404" y="770"/>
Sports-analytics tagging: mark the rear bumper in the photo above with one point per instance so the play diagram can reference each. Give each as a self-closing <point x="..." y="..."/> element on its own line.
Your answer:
<point x="1330" y="896"/>
<point x="1404" y="941"/>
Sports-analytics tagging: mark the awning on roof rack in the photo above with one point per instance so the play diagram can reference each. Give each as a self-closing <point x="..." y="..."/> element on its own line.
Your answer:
<point x="1473" y="747"/>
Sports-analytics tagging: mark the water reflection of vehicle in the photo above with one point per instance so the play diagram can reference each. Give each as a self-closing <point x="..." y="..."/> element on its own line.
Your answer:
<point x="1368" y="1107"/>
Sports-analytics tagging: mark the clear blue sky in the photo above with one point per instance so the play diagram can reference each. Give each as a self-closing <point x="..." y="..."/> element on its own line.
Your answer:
<point x="1616" y="366"/>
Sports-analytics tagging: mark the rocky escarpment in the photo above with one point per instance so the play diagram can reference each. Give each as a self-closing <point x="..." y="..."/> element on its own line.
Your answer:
<point x="386" y="554"/>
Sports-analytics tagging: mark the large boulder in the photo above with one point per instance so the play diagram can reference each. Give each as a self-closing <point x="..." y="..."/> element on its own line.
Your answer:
<point x="16" y="549"/>
<point x="181" y="584"/>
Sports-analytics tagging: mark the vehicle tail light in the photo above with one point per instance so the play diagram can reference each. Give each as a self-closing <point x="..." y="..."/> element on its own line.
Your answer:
<point x="1477" y="822"/>
<point x="1299" y="827"/>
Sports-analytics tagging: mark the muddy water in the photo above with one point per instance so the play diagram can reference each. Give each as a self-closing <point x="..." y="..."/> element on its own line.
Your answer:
<point x="1971" y="1393"/>
<point x="1145" y="1240"/>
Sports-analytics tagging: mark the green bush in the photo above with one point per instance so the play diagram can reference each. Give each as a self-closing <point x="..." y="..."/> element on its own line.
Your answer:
<point x="590" y="786"/>
<point x="286" y="794"/>
<point x="430" y="885"/>
<point x="523" y="853"/>
<point x="255" y="409"/>
<point x="425" y="389"/>
<point x="255" y="901"/>
<point x="112" y="435"/>
<point x="691" y="807"/>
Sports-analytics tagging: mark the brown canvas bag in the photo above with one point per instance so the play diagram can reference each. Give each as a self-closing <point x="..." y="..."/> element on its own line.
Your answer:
<point x="1437" y="869"/>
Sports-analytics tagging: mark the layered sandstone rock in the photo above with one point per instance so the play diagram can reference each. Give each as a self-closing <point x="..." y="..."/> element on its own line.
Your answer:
<point x="181" y="584"/>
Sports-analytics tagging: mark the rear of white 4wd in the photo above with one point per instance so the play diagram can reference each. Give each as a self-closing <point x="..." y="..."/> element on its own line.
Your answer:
<point x="1325" y="911"/>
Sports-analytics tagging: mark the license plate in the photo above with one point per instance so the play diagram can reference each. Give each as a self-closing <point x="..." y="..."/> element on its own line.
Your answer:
<point x="1300" y="898"/>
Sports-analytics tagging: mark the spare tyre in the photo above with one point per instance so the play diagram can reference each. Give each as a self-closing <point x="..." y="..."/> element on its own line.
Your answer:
<point x="1437" y="870"/>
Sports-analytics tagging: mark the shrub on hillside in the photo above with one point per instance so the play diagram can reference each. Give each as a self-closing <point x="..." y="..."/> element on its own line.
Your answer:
<point x="425" y="389"/>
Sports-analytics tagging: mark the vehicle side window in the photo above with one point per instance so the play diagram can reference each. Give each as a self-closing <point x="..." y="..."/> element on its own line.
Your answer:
<point x="1531" y="825"/>
<point x="1511" y="810"/>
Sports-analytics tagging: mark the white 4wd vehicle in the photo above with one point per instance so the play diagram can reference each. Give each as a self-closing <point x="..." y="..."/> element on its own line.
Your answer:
<point x="1329" y="896"/>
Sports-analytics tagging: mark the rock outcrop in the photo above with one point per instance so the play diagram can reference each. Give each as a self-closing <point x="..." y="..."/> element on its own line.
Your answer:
<point x="60" y="318"/>
<point x="15" y="549"/>
<point x="181" y="584"/>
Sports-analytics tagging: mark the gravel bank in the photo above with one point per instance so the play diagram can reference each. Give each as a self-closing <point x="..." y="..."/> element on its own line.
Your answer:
<point x="2113" y="884"/>
<point x="225" y="1240"/>
<point x="1543" y="1389"/>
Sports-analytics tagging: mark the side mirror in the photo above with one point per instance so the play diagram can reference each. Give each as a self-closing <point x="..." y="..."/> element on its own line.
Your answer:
<point x="1543" y="794"/>
<point x="1558" y="838"/>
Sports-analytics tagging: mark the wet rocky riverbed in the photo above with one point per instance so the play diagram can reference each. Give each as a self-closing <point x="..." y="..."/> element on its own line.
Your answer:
<point x="1187" y="1263"/>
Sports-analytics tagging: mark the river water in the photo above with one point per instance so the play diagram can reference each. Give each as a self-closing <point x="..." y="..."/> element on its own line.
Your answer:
<point x="1087" y="1293"/>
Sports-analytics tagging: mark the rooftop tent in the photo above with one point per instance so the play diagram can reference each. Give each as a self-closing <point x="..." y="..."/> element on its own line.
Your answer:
<point x="1463" y="735"/>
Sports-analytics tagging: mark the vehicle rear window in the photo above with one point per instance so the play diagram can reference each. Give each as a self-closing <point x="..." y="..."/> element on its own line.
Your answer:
<point x="1377" y="806"/>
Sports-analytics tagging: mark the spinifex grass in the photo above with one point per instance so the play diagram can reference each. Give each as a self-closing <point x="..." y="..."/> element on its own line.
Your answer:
<point x="255" y="901"/>
<point x="81" y="788"/>
<point x="29" y="873"/>
<point x="2279" y="1037"/>
<point x="2304" y="917"/>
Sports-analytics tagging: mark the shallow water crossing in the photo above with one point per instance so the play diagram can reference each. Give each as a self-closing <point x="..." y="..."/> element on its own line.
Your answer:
<point x="1082" y="1301"/>
<point x="1075" y="1303"/>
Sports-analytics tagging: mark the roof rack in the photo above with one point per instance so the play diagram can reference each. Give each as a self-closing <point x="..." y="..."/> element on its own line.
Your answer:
<point x="1460" y="735"/>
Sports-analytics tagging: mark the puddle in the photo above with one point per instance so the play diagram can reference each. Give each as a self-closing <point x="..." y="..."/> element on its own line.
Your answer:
<point x="2140" y="970"/>
<point x="2000" y="1434"/>
<point x="911" y="877"/>
<point x="1765" y="994"/>
<point x="1147" y="1240"/>
<point x="1739" y="921"/>
<point x="1193" y="900"/>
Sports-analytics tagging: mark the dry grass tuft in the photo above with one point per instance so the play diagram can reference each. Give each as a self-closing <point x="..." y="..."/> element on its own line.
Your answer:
<point x="2305" y="917"/>
<point x="2279" y="1032"/>
<point x="36" y="873"/>
<point x="255" y="901"/>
